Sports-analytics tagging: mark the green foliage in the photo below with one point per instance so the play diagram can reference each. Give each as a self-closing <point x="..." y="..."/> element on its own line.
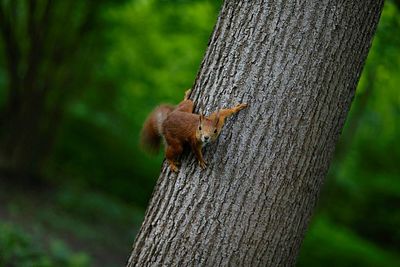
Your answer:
<point x="153" y="57"/>
<point x="17" y="248"/>
<point x="330" y="245"/>
<point x="98" y="207"/>
<point x="134" y="55"/>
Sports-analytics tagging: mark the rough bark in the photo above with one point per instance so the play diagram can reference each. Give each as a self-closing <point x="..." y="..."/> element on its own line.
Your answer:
<point x="296" y="63"/>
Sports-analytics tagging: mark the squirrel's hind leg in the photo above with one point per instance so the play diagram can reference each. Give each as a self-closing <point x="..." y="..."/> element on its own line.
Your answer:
<point x="230" y="111"/>
<point x="187" y="93"/>
<point x="186" y="106"/>
<point x="220" y="115"/>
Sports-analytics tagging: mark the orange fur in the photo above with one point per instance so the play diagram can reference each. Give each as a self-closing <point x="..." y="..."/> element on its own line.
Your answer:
<point x="180" y="127"/>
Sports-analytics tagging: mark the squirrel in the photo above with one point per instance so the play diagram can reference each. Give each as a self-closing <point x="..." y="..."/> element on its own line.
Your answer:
<point x="179" y="126"/>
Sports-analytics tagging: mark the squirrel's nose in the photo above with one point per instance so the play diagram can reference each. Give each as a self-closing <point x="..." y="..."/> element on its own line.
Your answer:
<point x="206" y="138"/>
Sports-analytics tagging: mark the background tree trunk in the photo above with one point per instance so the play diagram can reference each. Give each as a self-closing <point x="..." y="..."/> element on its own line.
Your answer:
<point x="43" y="67"/>
<point x="297" y="64"/>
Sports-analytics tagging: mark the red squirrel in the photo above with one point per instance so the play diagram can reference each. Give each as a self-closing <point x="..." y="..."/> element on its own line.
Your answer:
<point x="179" y="126"/>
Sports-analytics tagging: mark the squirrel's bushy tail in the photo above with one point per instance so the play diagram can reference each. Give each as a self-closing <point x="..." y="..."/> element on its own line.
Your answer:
<point x="150" y="139"/>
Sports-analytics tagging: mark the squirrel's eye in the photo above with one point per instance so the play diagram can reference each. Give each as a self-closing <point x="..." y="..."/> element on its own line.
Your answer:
<point x="215" y="131"/>
<point x="199" y="128"/>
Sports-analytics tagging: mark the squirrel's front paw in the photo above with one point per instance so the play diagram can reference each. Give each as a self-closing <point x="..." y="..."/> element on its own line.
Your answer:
<point x="203" y="164"/>
<point x="174" y="168"/>
<point x="241" y="106"/>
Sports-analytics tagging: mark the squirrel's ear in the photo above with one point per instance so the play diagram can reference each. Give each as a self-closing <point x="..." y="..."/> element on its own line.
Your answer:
<point x="201" y="117"/>
<point x="217" y="118"/>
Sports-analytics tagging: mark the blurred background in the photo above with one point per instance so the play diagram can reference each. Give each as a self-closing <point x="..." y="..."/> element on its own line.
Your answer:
<point x="77" y="79"/>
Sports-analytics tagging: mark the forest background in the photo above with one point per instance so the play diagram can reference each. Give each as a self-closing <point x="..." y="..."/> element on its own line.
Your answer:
<point x="78" y="78"/>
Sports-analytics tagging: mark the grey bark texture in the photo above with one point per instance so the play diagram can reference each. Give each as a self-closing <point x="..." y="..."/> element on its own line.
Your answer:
<point x="297" y="64"/>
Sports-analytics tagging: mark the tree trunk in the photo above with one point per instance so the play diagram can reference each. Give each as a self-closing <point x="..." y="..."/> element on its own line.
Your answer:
<point x="297" y="64"/>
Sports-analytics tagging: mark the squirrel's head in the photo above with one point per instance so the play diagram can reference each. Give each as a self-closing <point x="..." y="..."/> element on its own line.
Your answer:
<point x="207" y="130"/>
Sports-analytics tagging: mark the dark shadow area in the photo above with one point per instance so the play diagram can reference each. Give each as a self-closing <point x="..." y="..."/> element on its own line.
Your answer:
<point x="77" y="80"/>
